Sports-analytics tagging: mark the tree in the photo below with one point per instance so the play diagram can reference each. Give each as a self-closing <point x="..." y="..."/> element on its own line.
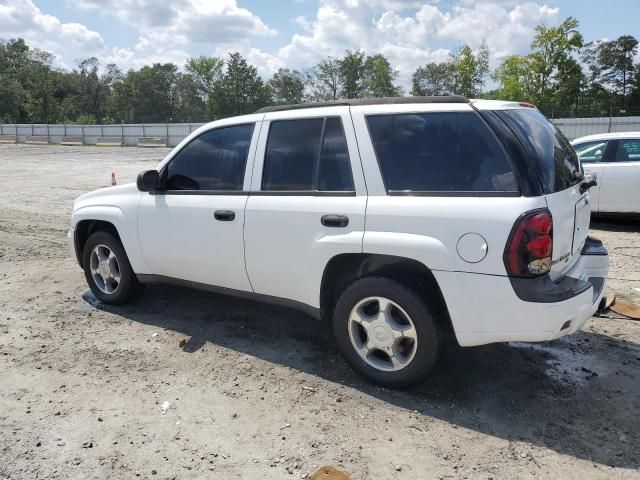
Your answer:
<point x="153" y="92"/>
<point x="433" y="79"/>
<point x="323" y="80"/>
<point x="287" y="87"/>
<point x="239" y="91"/>
<point x="352" y="74"/>
<point x="205" y="72"/>
<point x="379" y="77"/>
<point x="552" y="47"/>
<point x="611" y="64"/>
<point x="514" y="79"/>
<point x="471" y="68"/>
<point x="14" y="57"/>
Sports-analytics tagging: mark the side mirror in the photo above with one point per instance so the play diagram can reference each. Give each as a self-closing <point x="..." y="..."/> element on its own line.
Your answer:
<point x="148" y="181"/>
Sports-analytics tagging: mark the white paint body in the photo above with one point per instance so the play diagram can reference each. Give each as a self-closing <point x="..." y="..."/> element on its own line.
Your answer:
<point x="277" y="245"/>
<point x="618" y="189"/>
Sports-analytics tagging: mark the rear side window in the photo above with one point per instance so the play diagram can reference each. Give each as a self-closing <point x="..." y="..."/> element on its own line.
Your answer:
<point x="215" y="160"/>
<point x="627" y="151"/>
<point x="307" y="155"/>
<point x="440" y="152"/>
<point x="554" y="158"/>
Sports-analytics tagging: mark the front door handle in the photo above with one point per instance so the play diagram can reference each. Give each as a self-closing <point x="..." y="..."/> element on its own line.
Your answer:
<point x="224" y="215"/>
<point x="335" y="220"/>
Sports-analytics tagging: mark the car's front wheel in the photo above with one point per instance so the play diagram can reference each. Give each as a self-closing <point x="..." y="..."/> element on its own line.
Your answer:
<point x="107" y="269"/>
<point x="386" y="332"/>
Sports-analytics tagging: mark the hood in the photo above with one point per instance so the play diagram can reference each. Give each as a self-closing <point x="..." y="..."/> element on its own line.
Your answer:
<point x="106" y="196"/>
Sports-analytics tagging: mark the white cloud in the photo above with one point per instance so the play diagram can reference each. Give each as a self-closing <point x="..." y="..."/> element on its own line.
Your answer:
<point x="409" y="32"/>
<point x="22" y="18"/>
<point x="411" y="36"/>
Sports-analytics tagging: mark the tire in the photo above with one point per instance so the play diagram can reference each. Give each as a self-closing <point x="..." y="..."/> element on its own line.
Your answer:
<point x="110" y="291"/>
<point x="415" y="351"/>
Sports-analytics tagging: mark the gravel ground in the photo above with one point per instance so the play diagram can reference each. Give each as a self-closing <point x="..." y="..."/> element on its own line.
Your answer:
<point x="258" y="392"/>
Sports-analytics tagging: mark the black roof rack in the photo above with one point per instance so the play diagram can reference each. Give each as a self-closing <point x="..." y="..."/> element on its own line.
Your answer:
<point x="367" y="101"/>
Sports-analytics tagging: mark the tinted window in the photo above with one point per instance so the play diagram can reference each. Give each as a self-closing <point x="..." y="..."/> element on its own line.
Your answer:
<point x="555" y="160"/>
<point x="307" y="155"/>
<point x="335" y="169"/>
<point x="439" y="152"/>
<point x="627" y="151"/>
<point x="591" y="152"/>
<point x="215" y="160"/>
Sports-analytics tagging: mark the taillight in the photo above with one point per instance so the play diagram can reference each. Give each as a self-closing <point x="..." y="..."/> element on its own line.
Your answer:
<point x="530" y="245"/>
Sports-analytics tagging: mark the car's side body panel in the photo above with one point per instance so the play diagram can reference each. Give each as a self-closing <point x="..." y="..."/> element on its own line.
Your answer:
<point x="118" y="206"/>
<point x="286" y="246"/>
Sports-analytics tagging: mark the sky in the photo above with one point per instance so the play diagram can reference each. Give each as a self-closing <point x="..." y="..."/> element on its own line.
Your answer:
<point x="297" y="33"/>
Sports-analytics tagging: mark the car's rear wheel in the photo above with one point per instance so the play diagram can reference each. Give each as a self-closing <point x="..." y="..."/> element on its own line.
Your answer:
<point x="386" y="332"/>
<point x="107" y="269"/>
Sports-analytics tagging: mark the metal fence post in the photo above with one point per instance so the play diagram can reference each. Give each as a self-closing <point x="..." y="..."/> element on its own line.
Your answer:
<point x="167" y="130"/>
<point x="122" y="133"/>
<point x="144" y="132"/>
<point x="101" y="130"/>
<point x="82" y="133"/>
<point x="48" y="134"/>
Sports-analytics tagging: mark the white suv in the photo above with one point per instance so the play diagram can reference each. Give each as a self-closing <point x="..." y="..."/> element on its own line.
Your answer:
<point x="400" y="221"/>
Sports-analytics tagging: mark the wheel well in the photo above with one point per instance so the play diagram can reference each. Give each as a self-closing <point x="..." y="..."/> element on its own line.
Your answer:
<point x="85" y="228"/>
<point x="343" y="270"/>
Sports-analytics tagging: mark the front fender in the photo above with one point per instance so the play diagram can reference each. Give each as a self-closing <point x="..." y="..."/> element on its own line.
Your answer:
<point x="124" y="221"/>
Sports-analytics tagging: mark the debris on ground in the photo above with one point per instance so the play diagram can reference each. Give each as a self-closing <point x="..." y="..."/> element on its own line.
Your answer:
<point x="166" y="406"/>
<point x="329" y="473"/>
<point x="626" y="308"/>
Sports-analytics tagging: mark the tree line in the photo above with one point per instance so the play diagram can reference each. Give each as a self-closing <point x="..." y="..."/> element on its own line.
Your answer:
<point x="563" y="75"/>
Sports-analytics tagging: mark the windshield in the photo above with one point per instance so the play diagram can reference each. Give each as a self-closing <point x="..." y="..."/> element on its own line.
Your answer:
<point x="553" y="156"/>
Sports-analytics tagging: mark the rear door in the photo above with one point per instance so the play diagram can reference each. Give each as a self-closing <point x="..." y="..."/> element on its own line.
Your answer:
<point x="560" y="176"/>
<point x="620" y="189"/>
<point x="307" y="201"/>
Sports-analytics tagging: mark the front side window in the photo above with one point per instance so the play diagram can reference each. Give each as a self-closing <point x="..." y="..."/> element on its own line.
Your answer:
<point x="439" y="152"/>
<point x="215" y="160"/>
<point x="307" y="155"/>
<point x="627" y="151"/>
<point x="591" y="152"/>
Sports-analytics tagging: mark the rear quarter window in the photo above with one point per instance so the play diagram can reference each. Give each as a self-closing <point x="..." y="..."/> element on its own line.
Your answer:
<point x="440" y="152"/>
<point x="552" y="155"/>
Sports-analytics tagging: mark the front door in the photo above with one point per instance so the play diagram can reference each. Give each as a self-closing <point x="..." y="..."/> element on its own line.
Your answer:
<point x="307" y="204"/>
<point x="193" y="228"/>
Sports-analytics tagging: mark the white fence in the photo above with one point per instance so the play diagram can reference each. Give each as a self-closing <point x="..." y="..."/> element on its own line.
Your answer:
<point x="172" y="133"/>
<point x="128" y="134"/>
<point x="579" y="127"/>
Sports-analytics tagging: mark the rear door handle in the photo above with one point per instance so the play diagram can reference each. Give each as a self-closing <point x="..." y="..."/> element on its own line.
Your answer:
<point x="335" y="220"/>
<point x="224" y="215"/>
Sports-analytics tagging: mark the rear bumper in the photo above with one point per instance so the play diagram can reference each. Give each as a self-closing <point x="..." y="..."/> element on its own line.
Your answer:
<point x="486" y="309"/>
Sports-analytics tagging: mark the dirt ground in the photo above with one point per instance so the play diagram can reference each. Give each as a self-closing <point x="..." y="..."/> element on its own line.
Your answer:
<point x="259" y="392"/>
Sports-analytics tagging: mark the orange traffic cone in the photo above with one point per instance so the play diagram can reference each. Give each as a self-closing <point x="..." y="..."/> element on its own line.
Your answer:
<point x="113" y="178"/>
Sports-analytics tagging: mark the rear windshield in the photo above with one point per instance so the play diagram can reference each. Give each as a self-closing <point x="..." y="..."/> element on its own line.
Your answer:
<point x="441" y="152"/>
<point x="553" y="156"/>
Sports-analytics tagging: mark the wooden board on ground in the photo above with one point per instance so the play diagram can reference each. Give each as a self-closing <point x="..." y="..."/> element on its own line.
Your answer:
<point x="626" y="308"/>
<point x="7" y="139"/>
<point x="152" y="142"/>
<point x="109" y="142"/>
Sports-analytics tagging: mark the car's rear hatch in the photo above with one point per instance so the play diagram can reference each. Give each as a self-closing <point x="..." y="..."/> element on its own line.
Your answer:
<point x="560" y="176"/>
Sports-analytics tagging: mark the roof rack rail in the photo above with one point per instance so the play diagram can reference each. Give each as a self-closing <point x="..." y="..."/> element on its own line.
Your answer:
<point x="367" y="101"/>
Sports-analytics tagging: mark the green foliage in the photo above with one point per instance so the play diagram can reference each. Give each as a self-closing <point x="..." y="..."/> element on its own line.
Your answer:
<point x="239" y="91"/>
<point x="561" y="75"/>
<point x="287" y="87"/>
